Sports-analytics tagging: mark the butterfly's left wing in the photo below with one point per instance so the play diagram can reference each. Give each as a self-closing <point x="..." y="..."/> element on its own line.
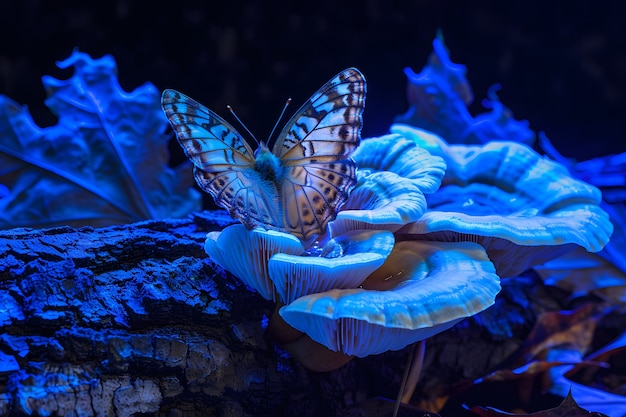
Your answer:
<point x="223" y="162"/>
<point x="314" y="149"/>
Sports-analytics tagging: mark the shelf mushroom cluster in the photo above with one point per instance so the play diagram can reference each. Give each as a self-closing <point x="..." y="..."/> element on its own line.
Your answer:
<point x="524" y="209"/>
<point x="420" y="244"/>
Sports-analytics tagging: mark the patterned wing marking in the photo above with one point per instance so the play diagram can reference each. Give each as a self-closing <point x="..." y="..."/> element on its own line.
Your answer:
<point x="243" y="194"/>
<point x="314" y="149"/>
<point x="222" y="159"/>
<point x="313" y="194"/>
<point x="207" y="139"/>
<point x="328" y="124"/>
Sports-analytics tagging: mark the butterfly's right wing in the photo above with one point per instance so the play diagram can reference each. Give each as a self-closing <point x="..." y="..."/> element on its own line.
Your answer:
<point x="223" y="161"/>
<point x="314" y="148"/>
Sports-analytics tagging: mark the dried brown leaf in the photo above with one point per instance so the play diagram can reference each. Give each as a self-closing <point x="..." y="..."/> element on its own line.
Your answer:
<point x="568" y="408"/>
<point x="588" y="384"/>
<point x="573" y="328"/>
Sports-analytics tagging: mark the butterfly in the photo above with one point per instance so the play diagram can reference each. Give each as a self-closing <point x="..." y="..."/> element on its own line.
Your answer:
<point x="300" y="184"/>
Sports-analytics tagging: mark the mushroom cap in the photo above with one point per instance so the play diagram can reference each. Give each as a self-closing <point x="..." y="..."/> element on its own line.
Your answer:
<point x="245" y="254"/>
<point x="402" y="156"/>
<point x="422" y="289"/>
<point x="516" y="243"/>
<point x="346" y="262"/>
<point x="425" y="139"/>
<point x="380" y="201"/>
<point x="523" y="208"/>
<point x="277" y="266"/>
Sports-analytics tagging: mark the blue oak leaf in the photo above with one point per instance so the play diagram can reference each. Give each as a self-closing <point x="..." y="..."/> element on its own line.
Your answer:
<point x="439" y="97"/>
<point x="105" y="162"/>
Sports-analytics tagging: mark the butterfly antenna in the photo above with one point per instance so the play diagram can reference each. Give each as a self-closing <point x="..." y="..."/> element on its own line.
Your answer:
<point x="230" y="109"/>
<point x="282" y="113"/>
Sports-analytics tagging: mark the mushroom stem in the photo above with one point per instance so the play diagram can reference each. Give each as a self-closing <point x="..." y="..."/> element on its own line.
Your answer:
<point x="315" y="356"/>
<point x="279" y="331"/>
<point x="411" y="375"/>
<point x="415" y="369"/>
<point x="312" y="355"/>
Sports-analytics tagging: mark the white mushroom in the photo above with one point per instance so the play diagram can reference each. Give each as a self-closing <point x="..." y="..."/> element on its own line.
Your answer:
<point x="422" y="289"/>
<point x="523" y="208"/>
<point x="380" y="201"/>
<point x="277" y="266"/>
<point x="345" y="262"/>
<point x="245" y="254"/>
<point x="402" y="156"/>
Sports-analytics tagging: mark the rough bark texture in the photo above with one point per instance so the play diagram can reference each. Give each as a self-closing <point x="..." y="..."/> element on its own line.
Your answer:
<point x="136" y="320"/>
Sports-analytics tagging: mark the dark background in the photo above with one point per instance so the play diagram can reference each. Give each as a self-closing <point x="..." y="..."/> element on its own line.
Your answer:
<point x="562" y="64"/>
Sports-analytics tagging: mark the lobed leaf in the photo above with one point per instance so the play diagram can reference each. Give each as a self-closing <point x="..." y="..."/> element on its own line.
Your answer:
<point x="568" y="407"/>
<point x="105" y="161"/>
<point x="439" y="97"/>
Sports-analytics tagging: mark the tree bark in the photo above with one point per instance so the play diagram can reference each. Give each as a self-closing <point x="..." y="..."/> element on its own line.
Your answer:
<point x="136" y="320"/>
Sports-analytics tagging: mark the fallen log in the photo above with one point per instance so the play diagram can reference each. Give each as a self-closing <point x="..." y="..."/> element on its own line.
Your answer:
<point x="136" y="320"/>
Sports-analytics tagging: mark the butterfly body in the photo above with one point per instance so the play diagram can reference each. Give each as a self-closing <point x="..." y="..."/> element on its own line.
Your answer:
<point x="267" y="164"/>
<point x="296" y="187"/>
